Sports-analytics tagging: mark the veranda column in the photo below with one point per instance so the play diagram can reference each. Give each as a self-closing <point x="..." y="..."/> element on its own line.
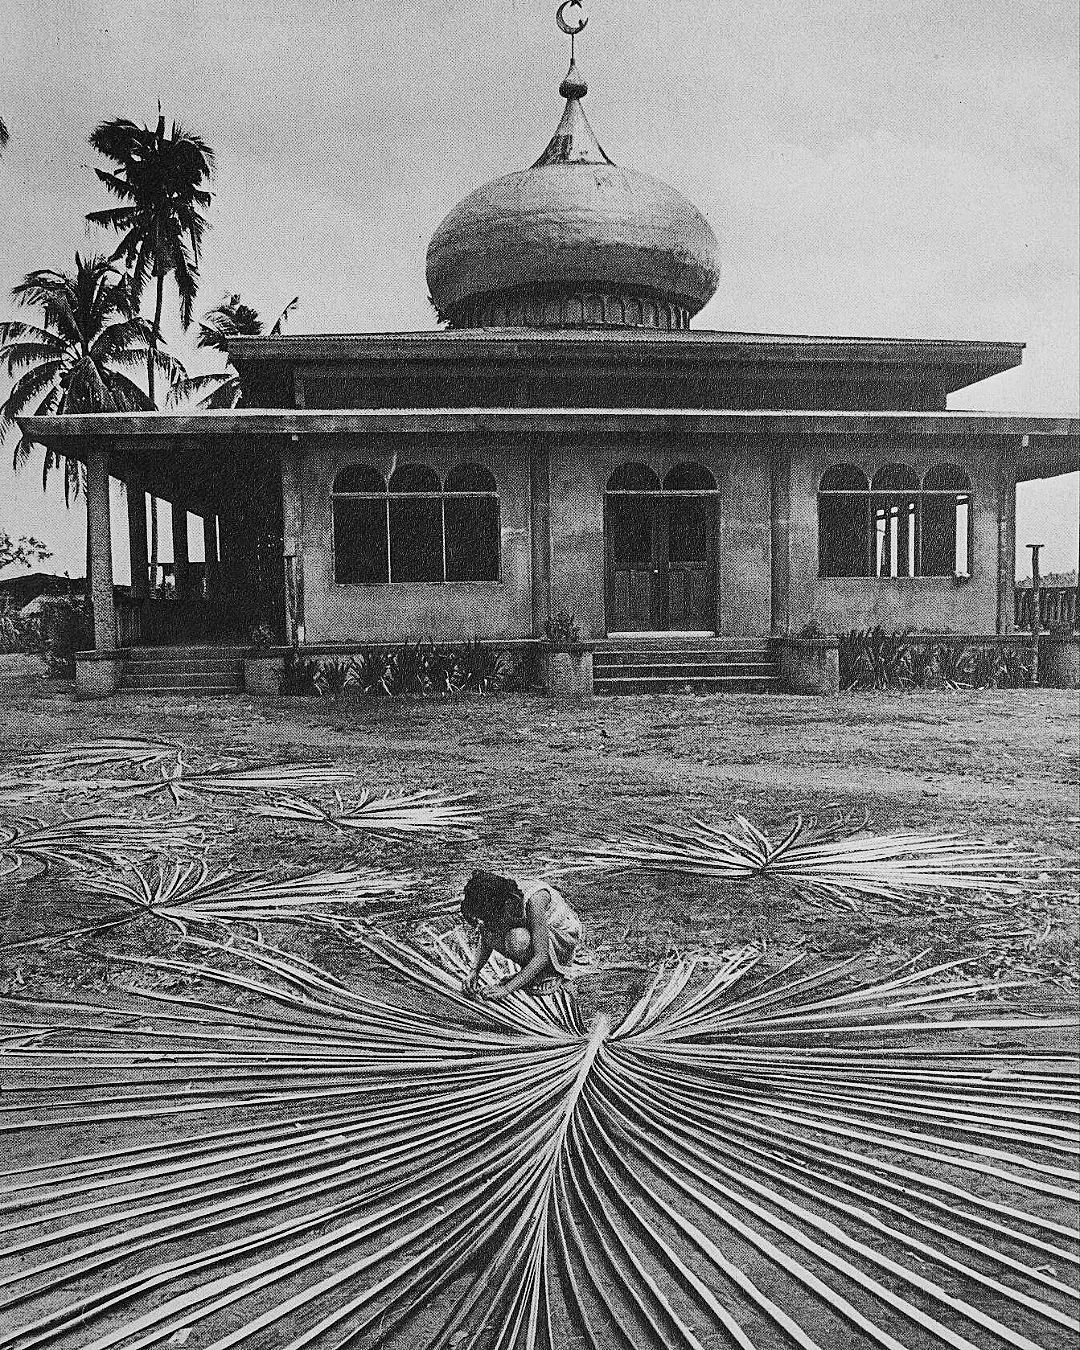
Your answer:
<point x="99" y="536"/>
<point x="138" y="549"/>
<point x="292" y="515"/>
<point x="181" y="568"/>
<point x="1006" y="550"/>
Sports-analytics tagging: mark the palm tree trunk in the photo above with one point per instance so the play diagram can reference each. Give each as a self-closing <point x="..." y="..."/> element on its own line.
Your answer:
<point x="155" y="334"/>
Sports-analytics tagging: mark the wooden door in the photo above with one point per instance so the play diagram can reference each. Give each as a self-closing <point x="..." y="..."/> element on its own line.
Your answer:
<point x="632" y="534"/>
<point x="688" y="550"/>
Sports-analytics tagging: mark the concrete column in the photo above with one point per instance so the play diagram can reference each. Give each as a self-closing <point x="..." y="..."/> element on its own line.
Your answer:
<point x="540" y="534"/>
<point x="99" y="536"/>
<point x="181" y="568"/>
<point x="210" y="555"/>
<point x="1006" y="550"/>
<point x="780" y="543"/>
<point x="292" y="515"/>
<point x="137" y="546"/>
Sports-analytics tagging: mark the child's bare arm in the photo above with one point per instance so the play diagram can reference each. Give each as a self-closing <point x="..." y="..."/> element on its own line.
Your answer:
<point x="480" y="959"/>
<point x="540" y="961"/>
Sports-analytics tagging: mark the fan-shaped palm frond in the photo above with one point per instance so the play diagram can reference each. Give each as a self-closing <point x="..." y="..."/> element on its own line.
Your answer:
<point x="838" y="861"/>
<point x="28" y="847"/>
<point x="800" y="1160"/>
<point x="424" y="812"/>
<point x="177" y="777"/>
<point x="192" y="892"/>
<point x="75" y="362"/>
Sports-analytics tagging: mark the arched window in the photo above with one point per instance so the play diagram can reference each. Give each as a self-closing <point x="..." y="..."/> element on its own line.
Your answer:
<point x="894" y="502"/>
<point x="413" y="530"/>
<point x="844" y="523"/>
<point x="946" y="522"/>
<point x="416" y="543"/>
<point x="689" y="478"/>
<point x="471" y="513"/>
<point x="633" y="478"/>
<point x="361" y="542"/>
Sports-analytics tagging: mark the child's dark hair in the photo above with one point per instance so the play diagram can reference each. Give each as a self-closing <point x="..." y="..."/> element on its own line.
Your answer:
<point x="492" y="899"/>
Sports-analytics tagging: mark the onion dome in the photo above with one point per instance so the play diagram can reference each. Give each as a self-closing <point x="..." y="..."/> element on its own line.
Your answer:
<point x="573" y="242"/>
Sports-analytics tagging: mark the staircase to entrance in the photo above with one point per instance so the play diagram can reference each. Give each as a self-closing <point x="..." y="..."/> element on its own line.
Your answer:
<point x="674" y="664"/>
<point x="184" y="670"/>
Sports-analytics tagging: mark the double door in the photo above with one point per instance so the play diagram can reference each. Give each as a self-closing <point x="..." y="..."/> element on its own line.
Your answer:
<point x="661" y="561"/>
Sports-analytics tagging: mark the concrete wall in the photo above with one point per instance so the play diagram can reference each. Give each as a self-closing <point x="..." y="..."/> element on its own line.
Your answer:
<point x="455" y="611"/>
<point x="840" y="604"/>
<point x="579" y="476"/>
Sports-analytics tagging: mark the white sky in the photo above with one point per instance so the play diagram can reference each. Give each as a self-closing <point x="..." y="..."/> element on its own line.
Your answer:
<point x="905" y="170"/>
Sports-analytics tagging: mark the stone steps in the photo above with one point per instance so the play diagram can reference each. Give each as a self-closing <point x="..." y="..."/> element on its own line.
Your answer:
<point x="655" y="666"/>
<point x="184" y="670"/>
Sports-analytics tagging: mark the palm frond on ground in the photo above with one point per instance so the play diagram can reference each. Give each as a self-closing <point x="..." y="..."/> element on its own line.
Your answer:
<point x="838" y="861"/>
<point x="176" y="775"/>
<point x="194" y="893"/>
<point x="800" y="1159"/>
<point x="29" y="847"/>
<point x="423" y="812"/>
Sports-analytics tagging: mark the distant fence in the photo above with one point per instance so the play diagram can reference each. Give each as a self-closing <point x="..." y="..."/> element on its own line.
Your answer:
<point x="1057" y="607"/>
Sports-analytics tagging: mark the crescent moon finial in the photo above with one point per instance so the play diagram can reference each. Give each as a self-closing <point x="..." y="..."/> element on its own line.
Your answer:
<point x="571" y="30"/>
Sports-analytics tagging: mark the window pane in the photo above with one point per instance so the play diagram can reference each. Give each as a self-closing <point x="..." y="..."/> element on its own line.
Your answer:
<point x="472" y="538"/>
<point x="414" y="478"/>
<point x="688" y="529"/>
<point x="944" y="535"/>
<point x="844" y="478"/>
<point x="360" y="540"/>
<point x="896" y="477"/>
<point x="631" y="531"/>
<point x="689" y="478"/>
<point x="359" y="478"/>
<point x="416" y="539"/>
<point x="843" y="548"/>
<point x="634" y="478"/>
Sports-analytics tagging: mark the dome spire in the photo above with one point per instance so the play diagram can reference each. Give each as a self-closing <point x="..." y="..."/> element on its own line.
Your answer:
<point x="574" y="141"/>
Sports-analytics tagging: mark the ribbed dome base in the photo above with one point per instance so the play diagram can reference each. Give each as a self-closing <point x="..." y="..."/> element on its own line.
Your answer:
<point x="571" y="309"/>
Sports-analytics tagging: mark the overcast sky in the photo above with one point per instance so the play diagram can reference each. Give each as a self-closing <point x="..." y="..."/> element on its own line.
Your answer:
<point x="905" y="169"/>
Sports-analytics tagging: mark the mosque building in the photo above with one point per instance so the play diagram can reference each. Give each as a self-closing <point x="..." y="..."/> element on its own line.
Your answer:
<point x="568" y="443"/>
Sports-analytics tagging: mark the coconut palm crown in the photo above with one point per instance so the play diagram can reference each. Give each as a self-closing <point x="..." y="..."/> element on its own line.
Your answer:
<point x="161" y="178"/>
<point x="77" y="359"/>
<point x="232" y="318"/>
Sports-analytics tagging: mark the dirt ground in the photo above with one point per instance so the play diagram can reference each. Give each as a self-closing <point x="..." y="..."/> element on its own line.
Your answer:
<point x="549" y="777"/>
<point x="999" y="766"/>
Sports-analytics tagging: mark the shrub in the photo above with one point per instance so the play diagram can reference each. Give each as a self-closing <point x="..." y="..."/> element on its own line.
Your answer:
<point x="562" y="632"/>
<point x="299" y="677"/>
<point x="66" y="628"/>
<point x="335" y="679"/>
<point x="875" y="659"/>
<point x="18" y="633"/>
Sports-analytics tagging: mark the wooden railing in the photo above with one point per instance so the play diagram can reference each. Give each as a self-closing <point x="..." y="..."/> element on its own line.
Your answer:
<point x="1057" y="608"/>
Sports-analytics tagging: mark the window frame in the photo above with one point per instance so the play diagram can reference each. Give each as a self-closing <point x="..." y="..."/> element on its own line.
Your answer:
<point x="442" y="495"/>
<point x="877" y="497"/>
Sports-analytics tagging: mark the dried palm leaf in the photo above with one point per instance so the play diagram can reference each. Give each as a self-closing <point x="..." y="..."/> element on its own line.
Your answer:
<point x="192" y="892"/>
<point x="799" y="1159"/>
<point x="425" y="812"/>
<point x="28" y="847"/>
<point x="836" y="861"/>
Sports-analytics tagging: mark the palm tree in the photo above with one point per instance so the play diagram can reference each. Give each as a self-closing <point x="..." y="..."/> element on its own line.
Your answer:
<point x="162" y="181"/>
<point x="232" y="318"/>
<point x="77" y="359"/>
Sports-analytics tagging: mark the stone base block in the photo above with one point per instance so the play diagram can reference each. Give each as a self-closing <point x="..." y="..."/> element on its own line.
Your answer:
<point x="1059" y="661"/>
<point x="262" y="675"/>
<point x="567" y="674"/>
<point x="97" y="674"/>
<point x="810" y="665"/>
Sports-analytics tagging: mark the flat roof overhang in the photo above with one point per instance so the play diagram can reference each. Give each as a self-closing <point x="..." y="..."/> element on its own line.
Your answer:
<point x="1046" y="446"/>
<point x="958" y="362"/>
